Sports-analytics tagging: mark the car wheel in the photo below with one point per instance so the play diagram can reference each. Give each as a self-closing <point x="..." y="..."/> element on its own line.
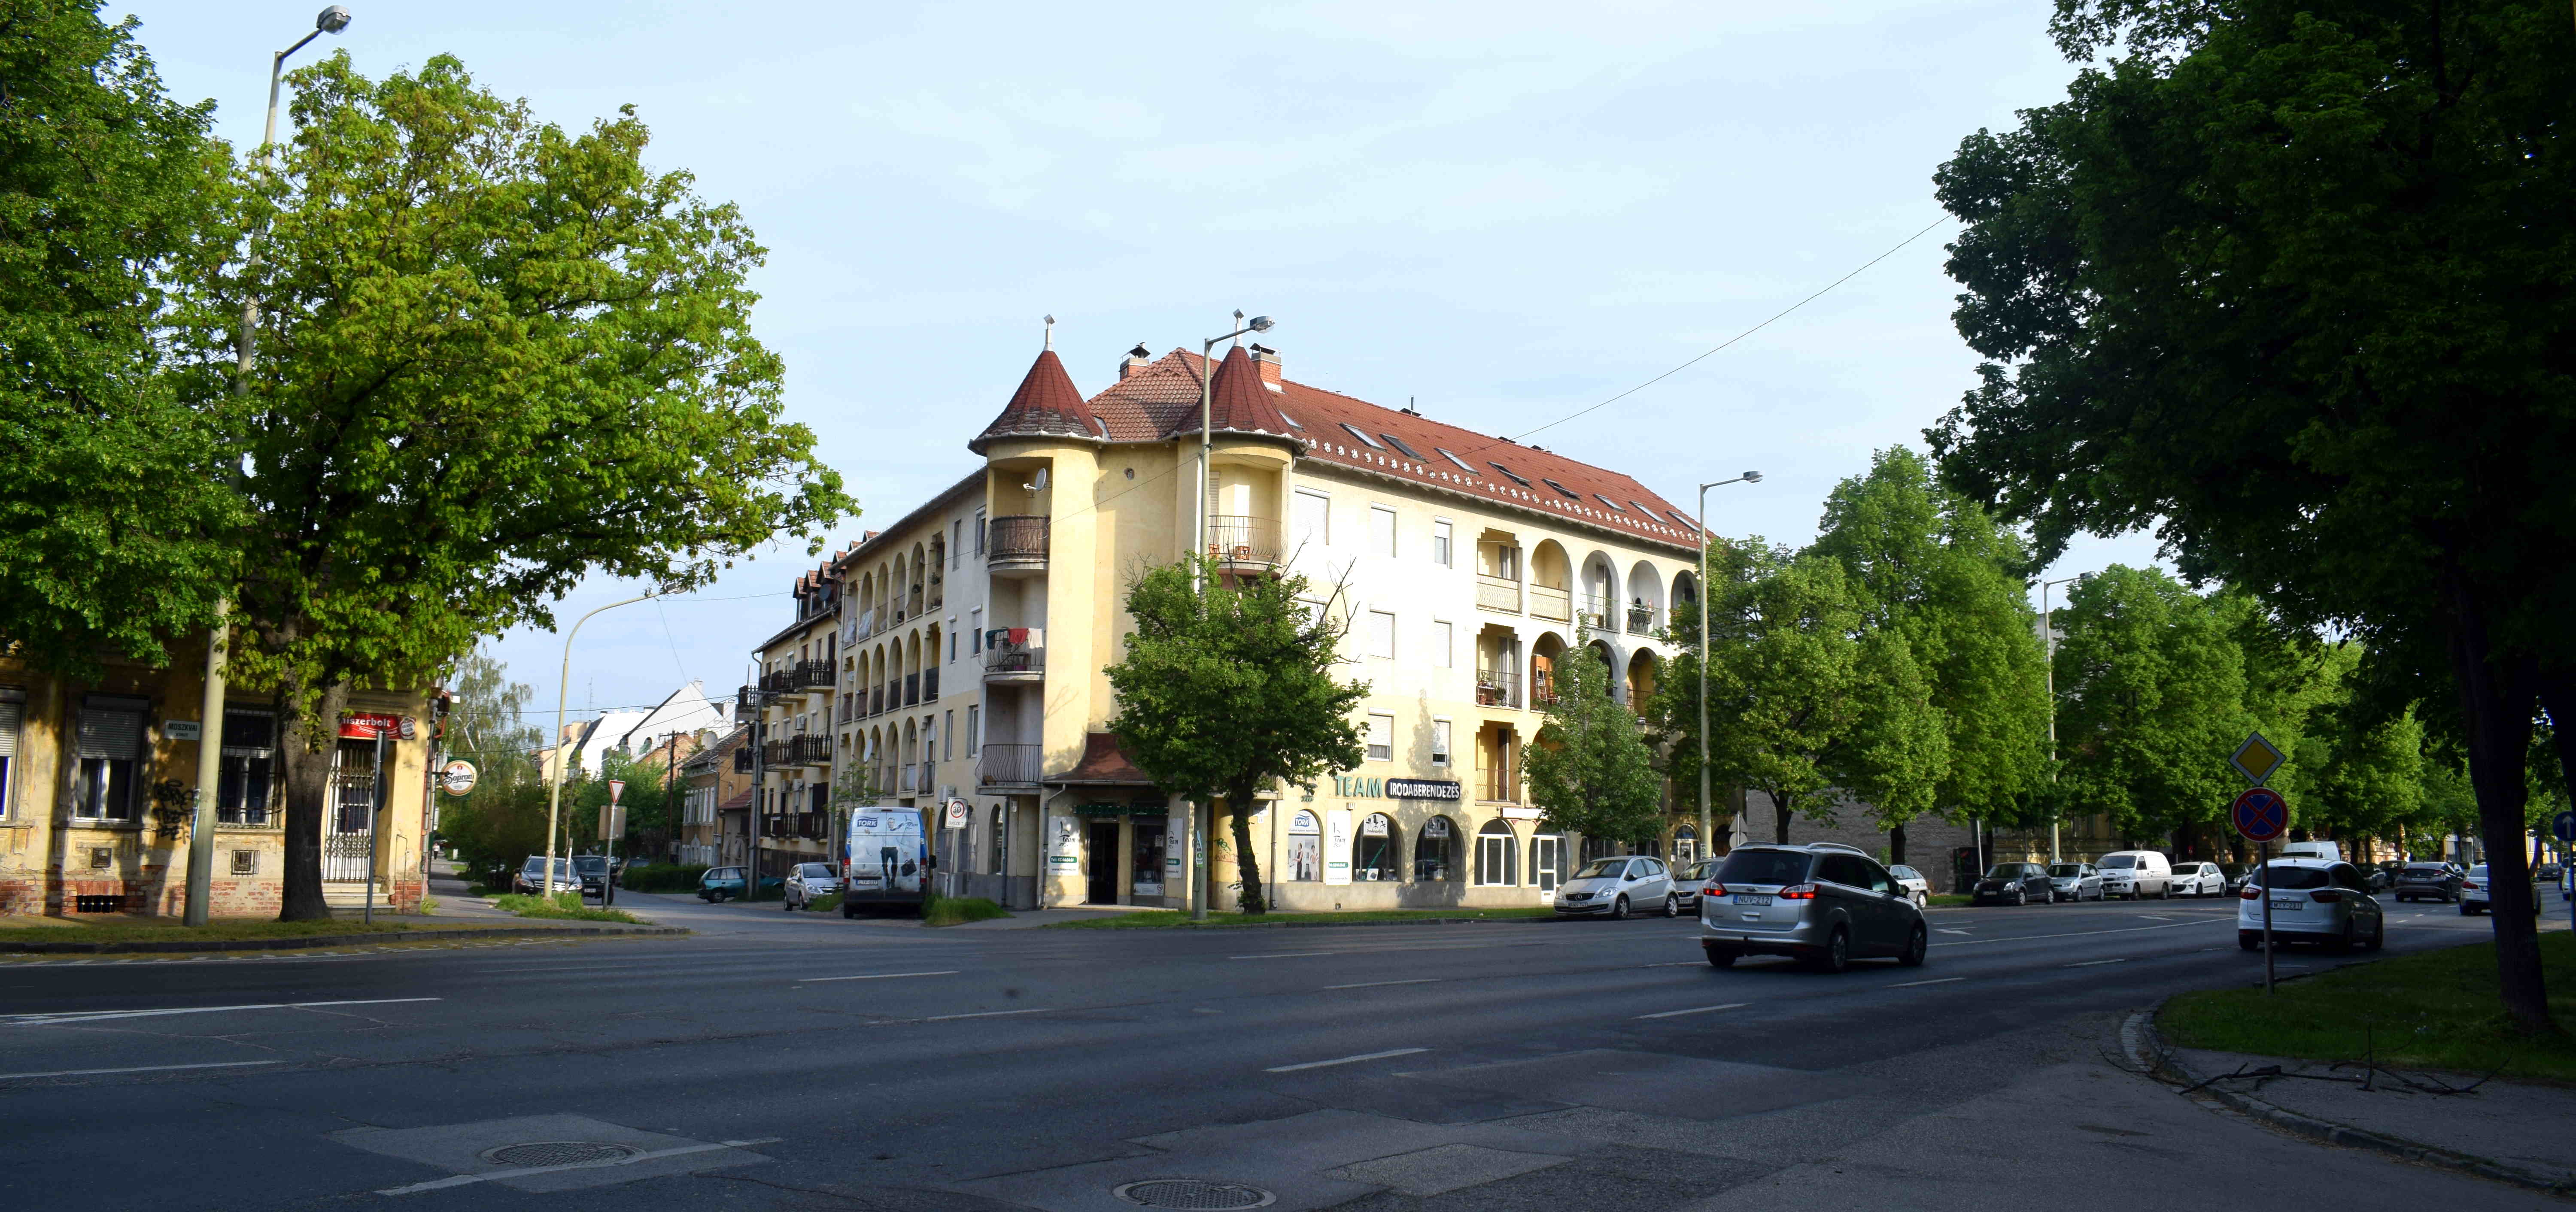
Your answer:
<point x="2021" y="896"/>
<point x="2165" y="893"/>
<point x="2342" y="944"/>
<point x="1719" y="957"/>
<point x="1916" y="945"/>
<point x="1619" y="908"/>
<point x="2249" y="940"/>
<point x="2378" y="935"/>
<point x="1836" y="954"/>
<point x="1922" y="900"/>
<point x="1672" y="904"/>
<point x="2467" y="909"/>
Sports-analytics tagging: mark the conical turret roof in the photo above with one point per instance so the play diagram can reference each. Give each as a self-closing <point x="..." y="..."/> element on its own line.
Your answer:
<point x="1046" y="406"/>
<point x="1238" y="403"/>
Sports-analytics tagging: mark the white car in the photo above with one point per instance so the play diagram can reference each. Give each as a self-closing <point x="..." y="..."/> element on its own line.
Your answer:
<point x="2199" y="879"/>
<point x="2477" y="893"/>
<point x="2136" y="874"/>
<point x="1618" y="887"/>
<point x="2313" y="901"/>
<point x="810" y="882"/>
<point x="1917" y="888"/>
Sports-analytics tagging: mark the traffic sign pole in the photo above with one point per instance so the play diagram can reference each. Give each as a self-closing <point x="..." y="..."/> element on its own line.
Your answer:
<point x="2265" y="868"/>
<point x="2261" y="815"/>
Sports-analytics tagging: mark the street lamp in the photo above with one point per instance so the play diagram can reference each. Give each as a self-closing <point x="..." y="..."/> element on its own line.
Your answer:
<point x="554" y="797"/>
<point x="1708" y="819"/>
<point x="1203" y="817"/>
<point x="210" y="737"/>
<point x="2048" y="640"/>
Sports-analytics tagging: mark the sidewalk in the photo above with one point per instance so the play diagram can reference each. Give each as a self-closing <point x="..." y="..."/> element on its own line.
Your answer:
<point x="2512" y="1132"/>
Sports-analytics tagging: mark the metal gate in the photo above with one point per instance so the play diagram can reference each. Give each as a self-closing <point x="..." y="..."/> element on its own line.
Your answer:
<point x="344" y="848"/>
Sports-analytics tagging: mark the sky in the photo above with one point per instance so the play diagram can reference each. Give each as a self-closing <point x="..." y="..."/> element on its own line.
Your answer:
<point x="1506" y="213"/>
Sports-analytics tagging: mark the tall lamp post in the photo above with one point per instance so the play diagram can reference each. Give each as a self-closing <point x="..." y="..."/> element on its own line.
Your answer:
<point x="554" y="796"/>
<point x="1203" y="815"/>
<point x="1708" y="818"/>
<point x="210" y="737"/>
<point x="2048" y="640"/>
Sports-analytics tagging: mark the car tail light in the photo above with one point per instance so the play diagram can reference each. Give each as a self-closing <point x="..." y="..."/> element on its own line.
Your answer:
<point x="2471" y="885"/>
<point x="1713" y="890"/>
<point x="1797" y="892"/>
<point x="2253" y="892"/>
<point x="2328" y="895"/>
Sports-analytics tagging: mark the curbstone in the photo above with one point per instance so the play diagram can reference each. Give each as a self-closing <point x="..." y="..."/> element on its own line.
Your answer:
<point x="301" y="942"/>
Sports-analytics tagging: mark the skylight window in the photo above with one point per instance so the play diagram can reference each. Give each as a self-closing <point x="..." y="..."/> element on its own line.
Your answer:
<point x="1462" y="463"/>
<point x="1292" y="421"/>
<point x="1641" y="509"/>
<point x="1687" y="524"/>
<point x="1509" y="474"/>
<point x="1354" y="431"/>
<point x="1398" y="443"/>
<point x="1562" y="490"/>
<point x="1614" y="505"/>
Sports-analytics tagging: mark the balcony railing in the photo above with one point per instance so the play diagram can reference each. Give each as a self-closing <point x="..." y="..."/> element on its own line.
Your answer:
<point x="911" y="689"/>
<point x="1596" y="612"/>
<point x="809" y="675"/>
<point x="1641" y="620"/>
<point x="1548" y="602"/>
<point x="1236" y="539"/>
<point x="876" y="700"/>
<point x="778" y="681"/>
<point x="1498" y="593"/>
<point x="929" y="684"/>
<point x="1016" y="539"/>
<point x="1008" y="660"/>
<point x="798" y="751"/>
<point x="906" y="779"/>
<point x="1497" y="688"/>
<point x="1542" y="688"/>
<point x="1009" y="763"/>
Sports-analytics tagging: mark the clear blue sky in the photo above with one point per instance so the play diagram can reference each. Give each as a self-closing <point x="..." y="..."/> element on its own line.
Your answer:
<point x="1505" y="211"/>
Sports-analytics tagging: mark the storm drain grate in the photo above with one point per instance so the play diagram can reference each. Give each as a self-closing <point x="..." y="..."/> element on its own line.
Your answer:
<point x="1196" y="1193"/>
<point x="561" y="1153"/>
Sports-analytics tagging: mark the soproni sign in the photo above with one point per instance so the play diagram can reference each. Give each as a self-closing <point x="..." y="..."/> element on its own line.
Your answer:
<point x="1354" y="787"/>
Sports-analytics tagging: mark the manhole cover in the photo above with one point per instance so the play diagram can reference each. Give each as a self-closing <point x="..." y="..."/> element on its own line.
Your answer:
<point x="1193" y="1193"/>
<point x="570" y="1153"/>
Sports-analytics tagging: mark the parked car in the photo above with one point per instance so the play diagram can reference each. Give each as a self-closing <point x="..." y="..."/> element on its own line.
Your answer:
<point x="1617" y="887"/>
<point x="2331" y="852"/>
<point x="2235" y="873"/>
<point x="593" y="872"/>
<point x="2477" y="893"/>
<point x="2074" y="882"/>
<point x="1913" y="883"/>
<point x="1688" y="881"/>
<point x="2136" y="874"/>
<point x="2427" y="881"/>
<point x="2014" y="884"/>
<point x="531" y="873"/>
<point x="810" y="882"/>
<point x="2198" y="879"/>
<point x="1823" y="903"/>
<point x="2313" y="900"/>
<point x="717" y="885"/>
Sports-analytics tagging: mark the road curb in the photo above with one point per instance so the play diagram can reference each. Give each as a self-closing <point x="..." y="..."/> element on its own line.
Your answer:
<point x="302" y="942"/>
<point x="1216" y="925"/>
<point x="2147" y="1050"/>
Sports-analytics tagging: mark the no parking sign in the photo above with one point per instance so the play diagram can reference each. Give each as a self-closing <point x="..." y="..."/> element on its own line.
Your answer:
<point x="2261" y="814"/>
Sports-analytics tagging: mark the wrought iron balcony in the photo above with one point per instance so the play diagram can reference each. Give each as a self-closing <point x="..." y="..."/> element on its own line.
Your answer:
<point x="1009" y="662"/>
<point x="1017" y="541"/>
<point x="1009" y="764"/>
<point x="1596" y="612"/>
<point x="911" y="689"/>
<point x="1242" y="539"/>
<point x="929" y="684"/>
<point x="810" y="675"/>
<point x="1641" y="620"/>
<point x="1497" y="688"/>
<point x="799" y="751"/>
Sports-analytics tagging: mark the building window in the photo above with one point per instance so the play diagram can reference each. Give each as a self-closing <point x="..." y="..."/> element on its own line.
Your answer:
<point x="979" y="532"/>
<point x="1443" y="638"/>
<point x="1439" y="742"/>
<point x="1435" y="853"/>
<point x="1310" y="521"/>
<point x="1441" y="536"/>
<point x="1382" y="530"/>
<point x="1381" y="737"/>
<point x="1373" y="850"/>
<point x="974" y="631"/>
<point x="974" y="730"/>
<point x="111" y="759"/>
<point x="245" y="862"/>
<point x="13" y="714"/>
<point x="1381" y="637"/>
<point x="1001" y="838"/>
<point x="244" y="794"/>
<point x="1305" y="848"/>
<point x="956" y="542"/>
<point x="1495" y="851"/>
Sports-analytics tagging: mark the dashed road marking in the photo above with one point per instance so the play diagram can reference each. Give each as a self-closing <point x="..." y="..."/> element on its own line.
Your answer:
<point x="1427" y="980"/>
<point x="1697" y="1010"/>
<point x="1345" y="1060"/>
<point x="1940" y="981"/>
<point x="872" y="976"/>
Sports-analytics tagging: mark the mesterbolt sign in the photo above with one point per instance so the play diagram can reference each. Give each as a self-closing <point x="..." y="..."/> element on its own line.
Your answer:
<point x="1354" y="787"/>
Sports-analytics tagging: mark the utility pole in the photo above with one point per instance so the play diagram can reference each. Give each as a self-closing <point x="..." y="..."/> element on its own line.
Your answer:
<point x="1202" y="816"/>
<point x="2048" y="639"/>
<point x="1707" y="816"/>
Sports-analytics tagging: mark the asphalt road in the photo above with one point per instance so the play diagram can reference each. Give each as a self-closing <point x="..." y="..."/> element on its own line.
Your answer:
<point x="802" y="1061"/>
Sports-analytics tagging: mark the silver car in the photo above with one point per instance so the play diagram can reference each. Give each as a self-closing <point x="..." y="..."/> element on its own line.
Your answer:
<point x="1689" y="880"/>
<point x="1913" y="883"/>
<point x="1823" y="903"/>
<point x="1617" y="887"/>
<point x="2477" y="893"/>
<point x="2313" y="901"/>
<point x="2074" y="882"/>
<point x="810" y="882"/>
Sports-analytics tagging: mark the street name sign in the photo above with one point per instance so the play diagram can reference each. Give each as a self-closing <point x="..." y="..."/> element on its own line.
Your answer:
<point x="2260" y="814"/>
<point x="2257" y="759"/>
<point x="182" y="730"/>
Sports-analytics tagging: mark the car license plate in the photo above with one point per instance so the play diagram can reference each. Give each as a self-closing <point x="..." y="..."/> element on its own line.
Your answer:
<point x="2289" y="904"/>
<point x="1752" y="898"/>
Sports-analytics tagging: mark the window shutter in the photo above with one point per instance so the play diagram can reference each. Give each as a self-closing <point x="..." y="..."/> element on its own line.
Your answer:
<point x="13" y="714"/>
<point x="111" y="732"/>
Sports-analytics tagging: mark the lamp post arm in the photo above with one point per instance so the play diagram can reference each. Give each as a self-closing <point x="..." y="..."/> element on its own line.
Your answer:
<point x="554" y="795"/>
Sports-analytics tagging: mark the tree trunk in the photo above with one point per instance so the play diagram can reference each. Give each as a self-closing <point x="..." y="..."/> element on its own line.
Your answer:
<point x="63" y="708"/>
<point x="1246" y="862"/>
<point x="1780" y="813"/>
<point x="2496" y="700"/>
<point x="2558" y="697"/>
<point x="1896" y="844"/>
<point x="305" y="743"/>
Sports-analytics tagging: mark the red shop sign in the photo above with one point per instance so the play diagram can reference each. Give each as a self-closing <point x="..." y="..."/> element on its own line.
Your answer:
<point x="367" y="725"/>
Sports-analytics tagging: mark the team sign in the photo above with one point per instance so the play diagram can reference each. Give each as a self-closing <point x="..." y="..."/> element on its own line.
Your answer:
<point x="1353" y="787"/>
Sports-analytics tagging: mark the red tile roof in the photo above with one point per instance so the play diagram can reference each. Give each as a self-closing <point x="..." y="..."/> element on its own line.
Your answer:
<point x="1046" y="405"/>
<point x="1238" y="403"/>
<point x="1104" y="762"/>
<point x="1160" y="400"/>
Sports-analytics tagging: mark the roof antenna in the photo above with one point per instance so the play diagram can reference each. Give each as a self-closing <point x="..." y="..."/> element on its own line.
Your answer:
<point x="1050" y="332"/>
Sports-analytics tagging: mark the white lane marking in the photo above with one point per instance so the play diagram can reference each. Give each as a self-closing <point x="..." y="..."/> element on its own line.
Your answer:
<point x="1697" y="1010"/>
<point x="138" y="1069"/>
<point x="1284" y="955"/>
<point x="2153" y="918"/>
<point x="2031" y="938"/>
<point x="460" y="1180"/>
<point x="2098" y="963"/>
<point x="1947" y="930"/>
<point x="1427" y="980"/>
<point x="1347" y="1060"/>
<point x="1676" y="964"/>
<point x="985" y="1014"/>
<point x="1942" y="981"/>
<point x="873" y="976"/>
<point x="91" y="1016"/>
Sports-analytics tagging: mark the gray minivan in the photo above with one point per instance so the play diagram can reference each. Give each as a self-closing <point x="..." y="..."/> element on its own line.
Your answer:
<point x="1823" y="903"/>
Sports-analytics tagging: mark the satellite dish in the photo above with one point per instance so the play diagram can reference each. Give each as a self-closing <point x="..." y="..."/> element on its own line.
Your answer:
<point x="1041" y="480"/>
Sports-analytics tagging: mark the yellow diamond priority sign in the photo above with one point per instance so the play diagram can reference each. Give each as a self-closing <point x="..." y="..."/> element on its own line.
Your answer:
<point x="2257" y="758"/>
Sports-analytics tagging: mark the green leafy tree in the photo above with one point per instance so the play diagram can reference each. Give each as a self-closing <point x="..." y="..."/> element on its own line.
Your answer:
<point x="495" y="357"/>
<point x="1935" y="571"/>
<point x="1592" y="771"/>
<point x="1227" y="687"/>
<point x="2290" y="283"/>
<point x="2151" y="702"/>
<point x="503" y="820"/>
<point x="115" y="523"/>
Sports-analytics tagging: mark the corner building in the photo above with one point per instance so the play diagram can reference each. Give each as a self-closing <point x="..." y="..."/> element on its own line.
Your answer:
<point x="1470" y="563"/>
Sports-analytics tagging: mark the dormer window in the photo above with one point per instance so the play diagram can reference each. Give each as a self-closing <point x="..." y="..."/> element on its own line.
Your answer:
<point x="1354" y="431"/>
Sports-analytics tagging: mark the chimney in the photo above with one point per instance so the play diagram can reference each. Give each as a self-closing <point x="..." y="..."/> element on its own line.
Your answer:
<point x="1268" y="360"/>
<point x="1134" y="361"/>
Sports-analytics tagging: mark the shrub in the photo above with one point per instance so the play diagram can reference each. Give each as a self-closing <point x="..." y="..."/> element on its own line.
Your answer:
<point x="563" y="905"/>
<point x="663" y="877"/>
<point x="952" y="910"/>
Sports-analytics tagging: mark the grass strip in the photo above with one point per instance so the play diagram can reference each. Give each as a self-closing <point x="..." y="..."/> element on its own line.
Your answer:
<point x="2431" y="1010"/>
<point x="565" y="906"/>
<point x="957" y="910"/>
<point x="1173" y="919"/>
<point x="77" y="931"/>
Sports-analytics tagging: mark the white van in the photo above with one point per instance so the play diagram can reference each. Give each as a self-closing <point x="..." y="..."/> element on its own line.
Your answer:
<point x="2135" y="874"/>
<point x="2329" y="852"/>
<point x="886" y="858"/>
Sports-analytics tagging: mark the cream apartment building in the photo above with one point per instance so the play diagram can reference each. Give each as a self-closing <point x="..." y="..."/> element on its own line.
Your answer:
<point x="960" y="664"/>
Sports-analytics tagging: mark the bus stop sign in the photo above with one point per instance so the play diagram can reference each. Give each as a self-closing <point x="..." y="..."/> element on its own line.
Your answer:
<point x="2261" y="814"/>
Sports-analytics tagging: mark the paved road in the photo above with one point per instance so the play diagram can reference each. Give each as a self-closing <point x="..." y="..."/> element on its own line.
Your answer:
<point x="802" y="1061"/>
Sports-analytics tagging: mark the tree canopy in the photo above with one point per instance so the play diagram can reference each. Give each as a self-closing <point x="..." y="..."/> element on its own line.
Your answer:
<point x="1591" y="771"/>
